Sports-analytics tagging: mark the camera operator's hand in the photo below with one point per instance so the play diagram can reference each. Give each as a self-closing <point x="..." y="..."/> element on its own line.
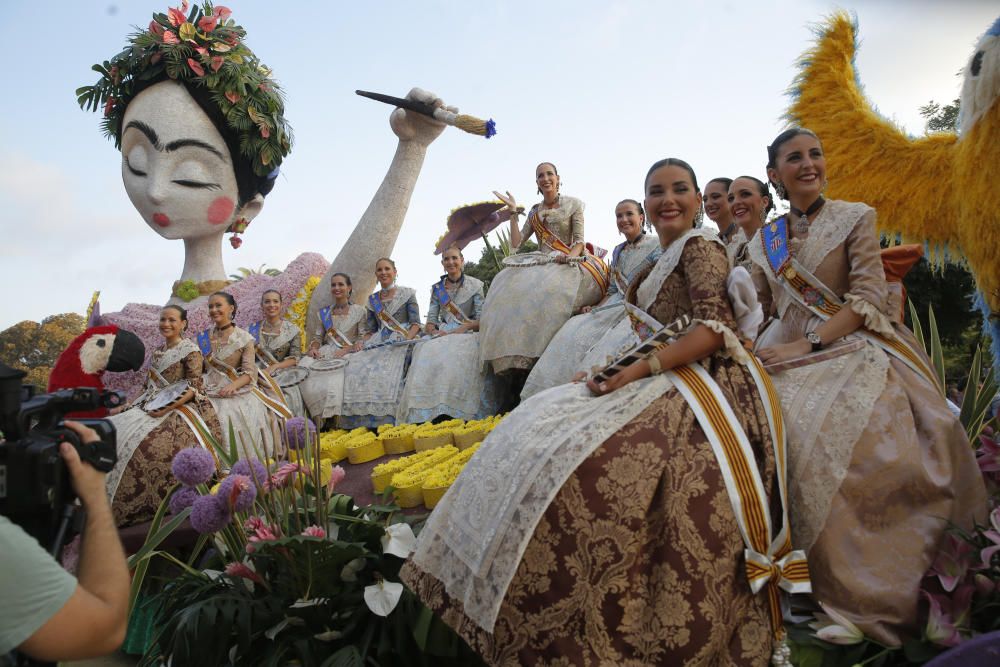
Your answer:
<point x="88" y="482"/>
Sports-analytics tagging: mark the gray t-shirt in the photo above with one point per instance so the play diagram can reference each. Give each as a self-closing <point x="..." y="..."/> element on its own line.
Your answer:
<point x="33" y="586"/>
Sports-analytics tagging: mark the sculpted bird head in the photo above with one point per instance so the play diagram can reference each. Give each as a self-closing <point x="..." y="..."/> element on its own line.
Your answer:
<point x="981" y="86"/>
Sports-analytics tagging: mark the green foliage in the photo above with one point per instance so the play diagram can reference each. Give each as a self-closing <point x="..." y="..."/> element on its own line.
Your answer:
<point x="487" y="266"/>
<point x="244" y="272"/>
<point x="940" y="118"/>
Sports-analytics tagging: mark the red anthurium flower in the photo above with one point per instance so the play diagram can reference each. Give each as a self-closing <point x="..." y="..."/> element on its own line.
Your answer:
<point x="170" y="38"/>
<point x="155" y="28"/>
<point x="265" y="131"/>
<point x="202" y="51"/>
<point x="196" y="67"/>
<point x="208" y="23"/>
<point x="108" y="106"/>
<point x="216" y="65"/>
<point x="176" y="16"/>
<point x="232" y="97"/>
<point x="222" y="13"/>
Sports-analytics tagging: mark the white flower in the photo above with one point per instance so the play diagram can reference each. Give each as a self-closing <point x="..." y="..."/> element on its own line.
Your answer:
<point x="383" y="597"/>
<point x="399" y="540"/>
<point x="835" y="628"/>
<point x="281" y="625"/>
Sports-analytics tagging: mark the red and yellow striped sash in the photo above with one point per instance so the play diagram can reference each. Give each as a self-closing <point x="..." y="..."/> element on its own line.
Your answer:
<point x="591" y="263"/>
<point x="275" y="405"/>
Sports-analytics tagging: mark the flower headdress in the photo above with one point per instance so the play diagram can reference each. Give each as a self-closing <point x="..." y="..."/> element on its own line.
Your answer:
<point x="204" y="50"/>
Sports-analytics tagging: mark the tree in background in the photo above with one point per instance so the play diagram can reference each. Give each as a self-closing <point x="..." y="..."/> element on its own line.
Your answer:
<point x="486" y="268"/>
<point x="949" y="291"/>
<point x="34" y="348"/>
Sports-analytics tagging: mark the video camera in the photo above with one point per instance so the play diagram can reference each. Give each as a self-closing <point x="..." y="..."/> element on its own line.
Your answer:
<point x="35" y="489"/>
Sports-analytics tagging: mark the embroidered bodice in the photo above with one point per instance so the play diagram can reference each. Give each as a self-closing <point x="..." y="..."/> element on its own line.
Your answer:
<point x="467" y="294"/>
<point x="565" y="221"/>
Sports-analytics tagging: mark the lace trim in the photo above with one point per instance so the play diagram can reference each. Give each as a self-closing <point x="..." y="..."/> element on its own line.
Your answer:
<point x="165" y="358"/>
<point x="836" y="220"/>
<point x="237" y="341"/>
<point x="732" y="347"/>
<point x="399" y="300"/>
<point x="875" y="319"/>
<point x="665" y="265"/>
<point x="272" y="342"/>
<point x="469" y="289"/>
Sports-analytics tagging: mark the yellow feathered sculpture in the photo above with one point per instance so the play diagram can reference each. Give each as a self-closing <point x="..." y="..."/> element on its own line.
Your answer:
<point x="943" y="188"/>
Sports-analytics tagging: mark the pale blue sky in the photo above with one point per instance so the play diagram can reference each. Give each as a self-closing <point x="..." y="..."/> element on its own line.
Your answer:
<point x="601" y="89"/>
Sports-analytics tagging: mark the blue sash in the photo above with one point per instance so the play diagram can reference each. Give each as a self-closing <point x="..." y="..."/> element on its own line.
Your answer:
<point x="254" y="330"/>
<point x="775" y="238"/>
<point x="326" y="317"/>
<point x="205" y="342"/>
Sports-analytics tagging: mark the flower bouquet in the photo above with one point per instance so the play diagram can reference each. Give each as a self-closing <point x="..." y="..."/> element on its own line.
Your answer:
<point x="289" y="571"/>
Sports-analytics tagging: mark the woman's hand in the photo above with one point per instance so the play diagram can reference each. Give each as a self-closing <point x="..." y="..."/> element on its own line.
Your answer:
<point x="342" y="352"/>
<point x="229" y="390"/>
<point x="562" y="258"/>
<point x="271" y="369"/>
<point x="430" y="329"/>
<point x="508" y="200"/>
<point x="156" y="414"/>
<point x="784" y="352"/>
<point x="636" y="371"/>
<point x="314" y="352"/>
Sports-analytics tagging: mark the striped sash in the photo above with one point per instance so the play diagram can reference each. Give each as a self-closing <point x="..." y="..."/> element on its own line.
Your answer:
<point x="338" y="339"/>
<point x="770" y="560"/>
<point x="808" y="291"/>
<point x="275" y="405"/>
<point x="387" y="320"/>
<point x="191" y="418"/>
<point x="591" y="263"/>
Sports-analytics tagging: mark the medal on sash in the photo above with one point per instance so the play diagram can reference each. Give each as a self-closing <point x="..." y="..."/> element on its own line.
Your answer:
<point x="205" y="342"/>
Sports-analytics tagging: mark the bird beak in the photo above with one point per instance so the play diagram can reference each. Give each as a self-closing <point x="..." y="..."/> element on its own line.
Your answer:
<point x="127" y="353"/>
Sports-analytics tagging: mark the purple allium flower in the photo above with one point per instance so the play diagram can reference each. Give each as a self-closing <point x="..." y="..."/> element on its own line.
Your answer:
<point x="193" y="466"/>
<point x="183" y="499"/>
<point x="209" y="514"/>
<point x="295" y="431"/>
<point x="253" y="469"/>
<point x="238" y="491"/>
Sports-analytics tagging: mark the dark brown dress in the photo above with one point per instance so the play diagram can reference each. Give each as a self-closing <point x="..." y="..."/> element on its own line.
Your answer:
<point x="147" y="445"/>
<point x="638" y="560"/>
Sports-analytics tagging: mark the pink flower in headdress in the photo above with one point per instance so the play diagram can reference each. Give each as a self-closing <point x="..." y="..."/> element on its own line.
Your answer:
<point x="177" y="16"/>
<point x="208" y="23"/>
<point x="155" y="28"/>
<point x="109" y="106"/>
<point x="314" y="531"/>
<point x="170" y="38"/>
<point x="230" y="95"/>
<point x="216" y="65"/>
<point x="222" y="13"/>
<point x="196" y="67"/>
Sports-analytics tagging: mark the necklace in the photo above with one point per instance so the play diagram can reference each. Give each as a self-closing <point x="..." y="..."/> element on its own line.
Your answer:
<point x="224" y="327"/>
<point x="801" y="224"/>
<point x="341" y="307"/>
<point x="455" y="282"/>
<point x="727" y="235"/>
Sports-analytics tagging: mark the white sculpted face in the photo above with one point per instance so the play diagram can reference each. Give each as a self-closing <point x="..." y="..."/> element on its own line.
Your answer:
<point x="176" y="166"/>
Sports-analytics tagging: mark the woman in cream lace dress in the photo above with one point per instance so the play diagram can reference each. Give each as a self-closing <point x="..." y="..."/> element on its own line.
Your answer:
<point x="335" y="337"/>
<point x="878" y="465"/>
<point x="537" y="292"/>
<point x="280" y="343"/>
<point x="148" y="441"/>
<point x="597" y="530"/>
<point x="446" y="376"/>
<point x="564" y="356"/>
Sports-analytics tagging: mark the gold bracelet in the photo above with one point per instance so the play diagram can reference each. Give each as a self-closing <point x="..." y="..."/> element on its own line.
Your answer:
<point x="655" y="367"/>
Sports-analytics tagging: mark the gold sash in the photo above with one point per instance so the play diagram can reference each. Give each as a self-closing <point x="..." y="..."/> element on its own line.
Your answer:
<point x="593" y="264"/>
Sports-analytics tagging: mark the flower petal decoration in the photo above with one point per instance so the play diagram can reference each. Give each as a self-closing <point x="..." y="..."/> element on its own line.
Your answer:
<point x="836" y="628"/>
<point x="383" y="597"/>
<point x="399" y="540"/>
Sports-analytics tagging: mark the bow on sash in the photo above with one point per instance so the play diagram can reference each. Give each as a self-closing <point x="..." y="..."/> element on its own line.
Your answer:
<point x="337" y="338"/>
<point x="389" y="323"/>
<point x="808" y="291"/>
<point x="593" y="264"/>
<point x="445" y="301"/>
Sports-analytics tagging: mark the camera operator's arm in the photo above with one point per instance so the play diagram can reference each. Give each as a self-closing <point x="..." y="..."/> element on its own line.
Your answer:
<point x="93" y="620"/>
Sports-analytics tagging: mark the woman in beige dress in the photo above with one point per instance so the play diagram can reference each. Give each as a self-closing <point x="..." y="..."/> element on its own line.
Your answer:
<point x="878" y="465"/>
<point x="279" y="343"/>
<point x="337" y="333"/>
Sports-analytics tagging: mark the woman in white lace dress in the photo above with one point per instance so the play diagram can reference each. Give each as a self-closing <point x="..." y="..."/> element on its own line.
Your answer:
<point x="279" y="342"/>
<point x="446" y="376"/>
<point x="564" y="356"/>
<point x="373" y="379"/>
<point x="338" y="332"/>
<point x="878" y="465"/>
<point x="537" y="292"/>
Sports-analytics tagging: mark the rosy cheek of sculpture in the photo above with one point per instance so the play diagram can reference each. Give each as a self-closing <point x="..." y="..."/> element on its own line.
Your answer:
<point x="220" y="210"/>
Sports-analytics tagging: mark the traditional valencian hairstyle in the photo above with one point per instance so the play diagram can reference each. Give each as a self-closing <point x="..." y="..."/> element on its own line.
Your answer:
<point x="204" y="51"/>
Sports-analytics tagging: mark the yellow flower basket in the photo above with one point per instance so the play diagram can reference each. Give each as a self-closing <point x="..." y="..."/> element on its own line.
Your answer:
<point x="432" y="495"/>
<point x="383" y="473"/>
<point x="398" y="444"/>
<point x="439" y="439"/>
<point x="466" y="438"/>
<point x="363" y="450"/>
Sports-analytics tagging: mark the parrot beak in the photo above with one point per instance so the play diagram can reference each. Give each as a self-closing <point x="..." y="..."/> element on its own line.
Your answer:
<point x="127" y="353"/>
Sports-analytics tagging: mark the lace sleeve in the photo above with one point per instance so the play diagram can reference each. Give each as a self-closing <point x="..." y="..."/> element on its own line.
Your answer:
<point x="194" y="367"/>
<point x="433" y="309"/>
<point x="868" y="292"/>
<point x="576" y="225"/>
<point x="526" y="229"/>
<point x="248" y="363"/>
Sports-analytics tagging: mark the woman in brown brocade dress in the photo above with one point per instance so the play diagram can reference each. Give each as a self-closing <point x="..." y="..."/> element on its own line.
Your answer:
<point x="598" y="530"/>
<point x="147" y="442"/>
<point x="878" y="465"/>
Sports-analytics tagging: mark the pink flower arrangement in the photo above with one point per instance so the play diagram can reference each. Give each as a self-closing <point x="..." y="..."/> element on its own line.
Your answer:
<point x="208" y="23"/>
<point x="243" y="571"/>
<point x="170" y="38"/>
<point x="336" y="476"/>
<point x="195" y="67"/>
<point x="314" y="531"/>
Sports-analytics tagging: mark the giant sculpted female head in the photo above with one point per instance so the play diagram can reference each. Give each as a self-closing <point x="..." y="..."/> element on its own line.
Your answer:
<point x="201" y="129"/>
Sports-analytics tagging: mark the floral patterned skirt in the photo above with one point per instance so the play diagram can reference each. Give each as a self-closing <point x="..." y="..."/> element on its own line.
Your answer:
<point x="638" y="560"/>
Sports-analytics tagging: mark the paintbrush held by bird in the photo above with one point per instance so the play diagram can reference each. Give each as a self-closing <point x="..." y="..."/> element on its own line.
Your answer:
<point x="466" y="123"/>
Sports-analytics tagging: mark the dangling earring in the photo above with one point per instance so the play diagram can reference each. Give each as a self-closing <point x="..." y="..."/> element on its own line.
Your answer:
<point x="763" y="215"/>
<point x="779" y="188"/>
<point x="699" y="218"/>
<point x="237" y="228"/>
